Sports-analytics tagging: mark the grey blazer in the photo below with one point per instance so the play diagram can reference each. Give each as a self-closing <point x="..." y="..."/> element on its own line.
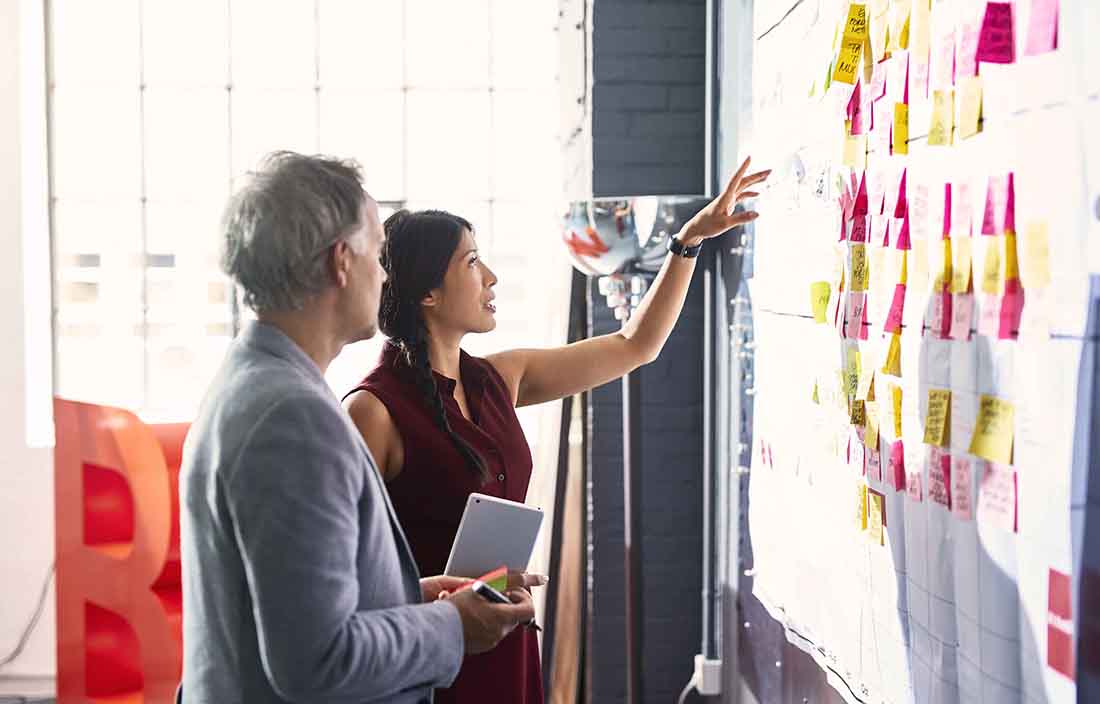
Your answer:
<point x="298" y="584"/>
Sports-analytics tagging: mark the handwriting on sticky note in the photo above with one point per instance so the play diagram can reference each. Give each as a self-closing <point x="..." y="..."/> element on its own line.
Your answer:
<point x="962" y="316"/>
<point x="892" y="365"/>
<point x="897" y="309"/>
<point x="851" y="45"/>
<point x="859" y="267"/>
<point x="989" y="319"/>
<point x="962" y="503"/>
<point x="859" y="229"/>
<point x="943" y="117"/>
<point x="901" y="129"/>
<point x="992" y="272"/>
<point x="876" y="516"/>
<point x="874" y="464"/>
<point x="913" y="486"/>
<point x="1042" y="33"/>
<point x="852" y="368"/>
<point x="993" y="431"/>
<point x="1036" y="260"/>
<point x="819" y="299"/>
<point x="939" y="477"/>
<point x="855" y="314"/>
<point x="937" y="424"/>
<point x="961" y="266"/>
<point x="997" y="500"/>
<point x="997" y="42"/>
<point x="970" y="106"/>
<point x="859" y="413"/>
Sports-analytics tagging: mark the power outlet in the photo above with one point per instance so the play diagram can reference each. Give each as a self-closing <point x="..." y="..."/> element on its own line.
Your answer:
<point x="708" y="676"/>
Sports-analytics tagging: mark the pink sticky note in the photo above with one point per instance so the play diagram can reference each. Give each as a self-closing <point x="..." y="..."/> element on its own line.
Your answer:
<point x="897" y="466"/>
<point x="919" y="208"/>
<point x="961" y="216"/>
<point x="913" y="486"/>
<point x="879" y="228"/>
<point x="901" y="207"/>
<point x="853" y="101"/>
<point x="939" y="476"/>
<point x="843" y="229"/>
<point x="874" y="464"/>
<point x="1042" y="32"/>
<point x="903" y="236"/>
<point x="939" y="315"/>
<point x="989" y="322"/>
<point x="962" y="504"/>
<point x="962" y="316"/>
<point x="942" y="69"/>
<point x="1012" y="307"/>
<point x="897" y="308"/>
<point x="945" y="300"/>
<point x="855" y="111"/>
<point x="884" y="123"/>
<point x="861" y="204"/>
<point x="857" y="304"/>
<point x="997" y="42"/>
<point x="859" y="229"/>
<point x="995" y="198"/>
<point x="856" y="458"/>
<point x="997" y="501"/>
<point x="966" y="57"/>
<point x="864" y="326"/>
<point x="1010" y="203"/>
<point x="878" y="80"/>
<point x="885" y="232"/>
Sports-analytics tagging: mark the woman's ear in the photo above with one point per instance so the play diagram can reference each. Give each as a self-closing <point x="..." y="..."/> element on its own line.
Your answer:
<point x="431" y="298"/>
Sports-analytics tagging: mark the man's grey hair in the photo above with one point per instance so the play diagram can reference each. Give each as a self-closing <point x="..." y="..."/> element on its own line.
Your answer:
<point x="279" y="226"/>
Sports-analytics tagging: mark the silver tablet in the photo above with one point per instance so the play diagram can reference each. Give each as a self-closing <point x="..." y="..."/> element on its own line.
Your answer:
<point x="493" y="532"/>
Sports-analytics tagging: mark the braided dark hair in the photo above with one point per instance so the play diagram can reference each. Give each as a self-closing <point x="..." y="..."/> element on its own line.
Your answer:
<point x="417" y="252"/>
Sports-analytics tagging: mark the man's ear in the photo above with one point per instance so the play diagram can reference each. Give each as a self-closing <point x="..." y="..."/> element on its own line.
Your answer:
<point x="340" y="256"/>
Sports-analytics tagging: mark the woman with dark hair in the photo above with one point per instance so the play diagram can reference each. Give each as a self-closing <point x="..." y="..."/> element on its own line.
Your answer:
<point x="441" y="424"/>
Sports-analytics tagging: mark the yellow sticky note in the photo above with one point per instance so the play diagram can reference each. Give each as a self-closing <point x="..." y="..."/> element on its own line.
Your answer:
<point x="901" y="128"/>
<point x="903" y="40"/>
<point x="970" y="106"/>
<point x="859" y="267"/>
<point x="852" y="368"/>
<point x="875" y="517"/>
<point x="943" y="118"/>
<point x="1036" y="256"/>
<point x="892" y="365"/>
<point x="920" y="31"/>
<point x="871" y="422"/>
<point x="937" y="425"/>
<point x="855" y="151"/>
<point x="1012" y="264"/>
<point x="942" y="262"/>
<point x="858" y="415"/>
<point x="903" y="277"/>
<point x="816" y="397"/>
<point x="847" y="61"/>
<point x="992" y="273"/>
<point x="856" y="24"/>
<point x="819" y="299"/>
<point x="895" y="397"/>
<point x="993" y="430"/>
<point x="960" y="270"/>
<point x="861" y="511"/>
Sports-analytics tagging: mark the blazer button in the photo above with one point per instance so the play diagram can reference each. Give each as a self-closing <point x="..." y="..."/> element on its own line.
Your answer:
<point x="500" y="477"/>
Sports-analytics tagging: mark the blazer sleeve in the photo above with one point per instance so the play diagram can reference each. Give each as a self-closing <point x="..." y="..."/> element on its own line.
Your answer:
<point x="293" y="495"/>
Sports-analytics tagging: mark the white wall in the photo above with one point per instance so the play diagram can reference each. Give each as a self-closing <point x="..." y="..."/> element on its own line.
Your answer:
<point x="26" y="473"/>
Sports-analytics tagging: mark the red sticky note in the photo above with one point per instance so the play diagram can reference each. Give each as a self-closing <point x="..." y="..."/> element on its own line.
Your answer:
<point x="897" y="308"/>
<point x="997" y="496"/>
<point x="897" y="465"/>
<point x="939" y="476"/>
<point x="946" y="210"/>
<point x="901" y="208"/>
<point x="997" y="42"/>
<point x="1012" y="307"/>
<point x="962" y="316"/>
<point x="859" y="229"/>
<point x="962" y="503"/>
<point x="1060" y="651"/>
<point x="903" y="236"/>
<point x="1058" y="595"/>
<point x="1042" y="32"/>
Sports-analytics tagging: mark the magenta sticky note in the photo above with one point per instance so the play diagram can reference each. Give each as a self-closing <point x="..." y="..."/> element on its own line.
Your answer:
<point x="861" y="204"/>
<point x="897" y="465"/>
<point x="946" y="210"/>
<point x="945" y="300"/>
<point x="886" y="233"/>
<point x="997" y="42"/>
<point x="903" y="236"/>
<point x="1010" y="203"/>
<point x="901" y="207"/>
<point x="855" y="110"/>
<point x="1012" y="308"/>
<point x="843" y="229"/>
<point x="859" y="229"/>
<point x="1042" y="31"/>
<point x="962" y="316"/>
<point x="897" y="309"/>
<point x="995" y="198"/>
<point x="880" y="230"/>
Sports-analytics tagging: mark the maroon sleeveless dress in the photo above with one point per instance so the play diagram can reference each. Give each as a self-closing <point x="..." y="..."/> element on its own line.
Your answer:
<point x="430" y="495"/>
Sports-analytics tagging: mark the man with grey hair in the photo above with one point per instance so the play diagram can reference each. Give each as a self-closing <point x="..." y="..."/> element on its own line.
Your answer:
<point x="298" y="585"/>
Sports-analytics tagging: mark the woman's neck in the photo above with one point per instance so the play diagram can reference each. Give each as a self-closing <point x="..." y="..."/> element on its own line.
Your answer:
<point x="444" y="356"/>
